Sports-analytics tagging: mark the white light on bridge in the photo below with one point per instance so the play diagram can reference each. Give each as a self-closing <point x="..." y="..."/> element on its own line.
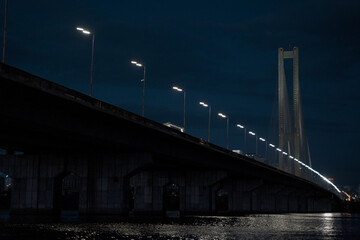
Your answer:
<point x="203" y="104"/>
<point x="252" y="133"/>
<point x="136" y="63"/>
<point x="262" y="139"/>
<point x="240" y="126"/>
<point x="87" y="32"/>
<point x="222" y="115"/>
<point x="271" y="145"/>
<point x="284" y="153"/>
<point x="83" y="30"/>
<point x="177" y="89"/>
<point x="278" y="149"/>
<point x="291" y="157"/>
<point x="316" y="172"/>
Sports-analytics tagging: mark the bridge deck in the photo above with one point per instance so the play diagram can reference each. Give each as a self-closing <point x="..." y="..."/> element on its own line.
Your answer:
<point x="40" y="117"/>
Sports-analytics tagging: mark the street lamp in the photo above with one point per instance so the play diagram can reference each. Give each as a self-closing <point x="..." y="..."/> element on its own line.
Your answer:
<point x="256" y="144"/>
<point x="144" y="81"/>
<point x="209" y="107"/>
<point x="4" y="40"/>
<point x="87" y="32"/>
<point x="227" y="128"/>
<point x="241" y="126"/>
<point x="264" y="140"/>
<point x="181" y="90"/>
<point x="272" y="146"/>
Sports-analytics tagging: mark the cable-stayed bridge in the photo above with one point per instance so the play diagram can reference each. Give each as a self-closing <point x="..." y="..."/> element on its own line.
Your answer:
<point x="64" y="150"/>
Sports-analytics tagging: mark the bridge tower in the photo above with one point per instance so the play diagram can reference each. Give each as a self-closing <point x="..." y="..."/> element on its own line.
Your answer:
<point x="292" y="136"/>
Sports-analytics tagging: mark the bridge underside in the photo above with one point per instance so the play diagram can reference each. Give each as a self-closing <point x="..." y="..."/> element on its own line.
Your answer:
<point x="67" y="151"/>
<point x="142" y="183"/>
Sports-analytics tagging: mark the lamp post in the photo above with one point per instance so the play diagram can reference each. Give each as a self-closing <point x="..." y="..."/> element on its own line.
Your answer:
<point x="4" y="40"/>
<point x="264" y="140"/>
<point x="241" y="126"/>
<point x="256" y="144"/>
<point x="144" y="81"/>
<point x="280" y="151"/>
<point x="87" y="32"/>
<point x="181" y="90"/>
<point x="227" y="128"/>
<point x="272" y="146"/>
<point x="209" y="107"/>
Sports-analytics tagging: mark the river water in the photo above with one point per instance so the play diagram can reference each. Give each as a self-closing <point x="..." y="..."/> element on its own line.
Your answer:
<point x="279" y="226"/>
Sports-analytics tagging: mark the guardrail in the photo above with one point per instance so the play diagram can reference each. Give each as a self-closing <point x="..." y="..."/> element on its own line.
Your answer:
<point x="310" y="175"/>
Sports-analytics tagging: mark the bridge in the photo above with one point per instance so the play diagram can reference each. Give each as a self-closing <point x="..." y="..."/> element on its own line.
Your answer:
<point x="64" y="150"/>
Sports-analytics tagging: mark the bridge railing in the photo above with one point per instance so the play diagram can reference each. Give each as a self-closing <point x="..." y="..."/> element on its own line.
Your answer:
<point x="307" y="173"/>
<point x="317" y="178"/>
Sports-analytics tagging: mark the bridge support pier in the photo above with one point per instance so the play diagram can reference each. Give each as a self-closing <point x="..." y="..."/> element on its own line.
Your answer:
<point x="120" y="183"/>
<point x="257" y="196"/>
<point x="320" y="203"/>
<point x="191" y="187"/>
<point x="43" y="183"/>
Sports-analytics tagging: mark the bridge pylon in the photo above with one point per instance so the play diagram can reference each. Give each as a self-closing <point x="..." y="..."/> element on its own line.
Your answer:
<point x="292" y="136"/>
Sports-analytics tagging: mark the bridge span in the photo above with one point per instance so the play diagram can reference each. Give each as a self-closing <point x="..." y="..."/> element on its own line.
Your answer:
<point x="68" y="151"/>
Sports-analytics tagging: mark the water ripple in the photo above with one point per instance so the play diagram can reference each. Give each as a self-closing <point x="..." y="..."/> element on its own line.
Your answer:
<point x="281" y="226"/>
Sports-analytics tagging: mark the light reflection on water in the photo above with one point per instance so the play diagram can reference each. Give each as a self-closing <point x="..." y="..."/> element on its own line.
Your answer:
<point x="282" y="226"/>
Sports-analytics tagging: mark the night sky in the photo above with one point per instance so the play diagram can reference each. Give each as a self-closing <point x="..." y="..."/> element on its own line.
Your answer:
<point x="221" y="52"/>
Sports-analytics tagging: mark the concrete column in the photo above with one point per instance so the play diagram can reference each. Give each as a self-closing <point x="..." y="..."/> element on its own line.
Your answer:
<point x="242" y="193"/>
<point x="283" y="199"/>
<point x="37" y="180"/>
<point x="194" y="189"/>
<point x="199" y="190"/>
<point x="109" y="177"/>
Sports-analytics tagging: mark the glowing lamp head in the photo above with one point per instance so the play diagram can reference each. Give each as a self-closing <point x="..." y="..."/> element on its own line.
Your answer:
<point x="203" y="104"/>
<point x="177" y="89"/>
